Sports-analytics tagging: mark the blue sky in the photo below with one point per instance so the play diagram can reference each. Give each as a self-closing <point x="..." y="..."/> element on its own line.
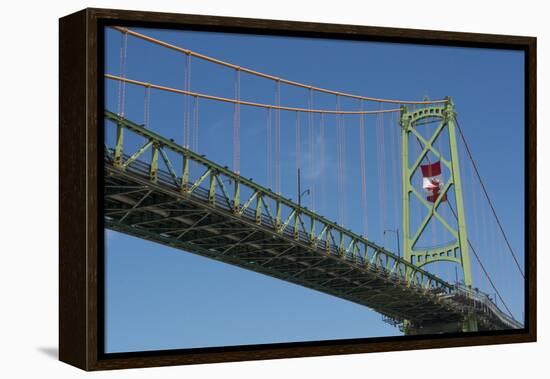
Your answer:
<point x="161" y="298"/>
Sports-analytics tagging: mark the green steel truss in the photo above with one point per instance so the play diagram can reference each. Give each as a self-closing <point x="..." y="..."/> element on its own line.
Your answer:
<point x="283" y="215"/>
<point x="456" y="251"/>
<point x="224" y="216"/>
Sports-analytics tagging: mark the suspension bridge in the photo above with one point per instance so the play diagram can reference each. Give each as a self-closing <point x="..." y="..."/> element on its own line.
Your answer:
<point x="167" y="192"/>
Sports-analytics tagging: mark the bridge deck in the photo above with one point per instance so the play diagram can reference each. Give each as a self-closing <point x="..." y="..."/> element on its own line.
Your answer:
<point x="204" y="222"/>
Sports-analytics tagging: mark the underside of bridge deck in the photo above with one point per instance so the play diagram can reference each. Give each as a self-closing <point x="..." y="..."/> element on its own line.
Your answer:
<point x="254" y="228"/>
<point x="154" y="211"/>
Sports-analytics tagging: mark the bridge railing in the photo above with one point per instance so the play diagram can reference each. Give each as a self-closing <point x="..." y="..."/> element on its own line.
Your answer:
<point x="222" y="188"/>
<point x="486" y="304"/>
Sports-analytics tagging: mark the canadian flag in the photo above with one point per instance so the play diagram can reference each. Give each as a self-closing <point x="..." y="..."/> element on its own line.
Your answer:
<point x="432" y="181"/>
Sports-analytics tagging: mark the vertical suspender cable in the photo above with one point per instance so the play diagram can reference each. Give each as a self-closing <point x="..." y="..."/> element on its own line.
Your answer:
<point x="488" y="198"/>
<point x="146" y="106"/>
<point x="278" y="139"/>
<point x="196" y="126"/>
<point x="122" y="84"/>
<point x="363" y="168"/>
<point x="311" y="152"/>
<point x="394" y="154"/>
<point x="236" y="124"/>
<point x="394" y="144"/>
<point x="484" y="270"/>
<point x="322" y="163"/>
<point x="381" y="170"/>
<point x="444" y="209"/>
<point x="344" y="173"/>
<point x="384" y="174"/>
<point x="339" y="148"/>
<point x="186" y="116"/>
<point x="298" y="140"/>
<point x="268" y="150"/>
<point x="187" y="104"/>
<point x="435" y="240"/>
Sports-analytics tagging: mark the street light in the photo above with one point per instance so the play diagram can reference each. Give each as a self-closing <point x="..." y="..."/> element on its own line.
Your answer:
<point x="300" y="192"/>
<point x="396" y="231"/>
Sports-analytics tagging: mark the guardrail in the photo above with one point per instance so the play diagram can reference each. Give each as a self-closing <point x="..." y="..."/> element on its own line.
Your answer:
<point x="484" y="299"/>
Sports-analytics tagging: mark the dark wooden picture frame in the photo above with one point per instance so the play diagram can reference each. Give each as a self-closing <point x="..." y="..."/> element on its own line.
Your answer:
<point x="80" y="157"/>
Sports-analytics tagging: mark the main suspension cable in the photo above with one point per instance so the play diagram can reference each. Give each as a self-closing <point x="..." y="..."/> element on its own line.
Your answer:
<point x="266" y="76"/>
<point x="483" y="268"/>
<point x="243" y="102"/>
<point x="488" y="198"/>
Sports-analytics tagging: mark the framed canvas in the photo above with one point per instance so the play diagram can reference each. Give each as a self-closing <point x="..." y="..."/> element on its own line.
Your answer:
<point x="241" y="189"/>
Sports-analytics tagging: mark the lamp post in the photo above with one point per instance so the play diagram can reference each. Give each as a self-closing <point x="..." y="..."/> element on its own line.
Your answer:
<point x="396" y="231"/>
<point x="300" y="192"/>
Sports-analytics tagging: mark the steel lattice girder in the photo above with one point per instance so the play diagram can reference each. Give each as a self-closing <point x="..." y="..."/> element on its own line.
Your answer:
<point x="220" y="226"/>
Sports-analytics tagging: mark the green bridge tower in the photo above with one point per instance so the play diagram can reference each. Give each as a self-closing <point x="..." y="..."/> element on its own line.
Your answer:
<point x="412" y="123"/>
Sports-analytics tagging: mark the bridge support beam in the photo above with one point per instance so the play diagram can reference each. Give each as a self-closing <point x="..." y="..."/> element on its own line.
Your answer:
<point x="469" y="324"/>
<point x="437" y="328"/>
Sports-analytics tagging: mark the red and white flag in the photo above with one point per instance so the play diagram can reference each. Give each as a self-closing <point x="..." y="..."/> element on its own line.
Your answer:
<point x="432" y="181"/>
